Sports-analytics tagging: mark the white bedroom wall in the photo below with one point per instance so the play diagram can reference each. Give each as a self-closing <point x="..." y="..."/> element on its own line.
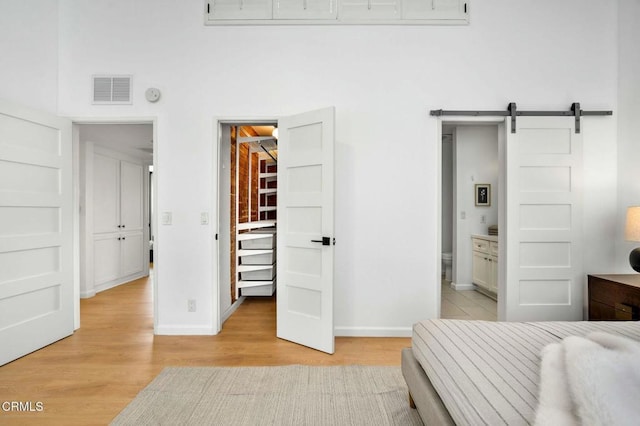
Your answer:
<point x="29" y="52"/>
<point x="383" y="80"/>
<point x="628" y="138"/>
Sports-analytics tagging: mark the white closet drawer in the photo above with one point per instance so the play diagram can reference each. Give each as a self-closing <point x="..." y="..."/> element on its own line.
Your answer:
<point x="257" y="257"/>
<point x="257" y="240"/>
<point x="264" y="289"/>
<point x="257" y="272"/>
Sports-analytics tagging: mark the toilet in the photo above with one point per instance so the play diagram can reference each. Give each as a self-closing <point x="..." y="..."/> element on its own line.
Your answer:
<point x="446" y="265"/>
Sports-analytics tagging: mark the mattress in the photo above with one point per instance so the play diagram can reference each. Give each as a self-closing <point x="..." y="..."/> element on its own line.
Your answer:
<point x="487" y="372"/>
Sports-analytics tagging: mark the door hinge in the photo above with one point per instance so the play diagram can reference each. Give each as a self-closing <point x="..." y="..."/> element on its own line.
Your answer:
<point x="216" y="237"/>
<point x="465" y="8"/>
<point x="209" y="7"/>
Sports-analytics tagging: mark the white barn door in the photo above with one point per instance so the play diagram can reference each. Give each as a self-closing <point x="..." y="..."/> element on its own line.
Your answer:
<point x="36" y="246"/>
<point x="306" y="229"/>
<point x="544" y="275"/>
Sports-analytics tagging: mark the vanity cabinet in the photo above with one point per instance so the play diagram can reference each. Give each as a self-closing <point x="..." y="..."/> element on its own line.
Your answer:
<point x="485" y="263"/>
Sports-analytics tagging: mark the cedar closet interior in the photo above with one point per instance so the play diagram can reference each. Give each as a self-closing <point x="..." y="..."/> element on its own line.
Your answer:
<point x="247" y="204"/>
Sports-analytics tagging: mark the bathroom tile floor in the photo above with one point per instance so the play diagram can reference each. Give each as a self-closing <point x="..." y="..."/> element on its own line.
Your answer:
<point x="466" y="304"/>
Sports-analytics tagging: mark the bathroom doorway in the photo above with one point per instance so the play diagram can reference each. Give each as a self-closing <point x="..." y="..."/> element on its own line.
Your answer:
<point x="469" y="218"/>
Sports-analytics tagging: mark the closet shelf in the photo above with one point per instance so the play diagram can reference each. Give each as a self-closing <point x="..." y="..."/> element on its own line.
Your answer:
<point x="249" y="284"/>
<point x="252" y="268"/>
<point x="256" y="225"/>
<point x="257" y="272"/>
<point x="254" y="252"/>
<point x="256" y="241"/>
<point x="247" y="236"/>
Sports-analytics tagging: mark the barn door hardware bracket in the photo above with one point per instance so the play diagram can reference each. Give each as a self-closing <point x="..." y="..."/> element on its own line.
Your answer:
<point x="513" y="112"/>
<point x="575" y="109"/>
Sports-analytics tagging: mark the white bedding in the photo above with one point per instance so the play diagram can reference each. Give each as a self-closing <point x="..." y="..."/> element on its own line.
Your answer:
<point x="592" y="380"/>
<point x="488" y="372"/>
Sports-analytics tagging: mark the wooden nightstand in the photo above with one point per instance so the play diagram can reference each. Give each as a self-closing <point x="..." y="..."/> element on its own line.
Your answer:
<point x="614" y="297"/>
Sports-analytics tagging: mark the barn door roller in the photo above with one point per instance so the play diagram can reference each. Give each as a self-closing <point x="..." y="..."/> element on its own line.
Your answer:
<point x="512" y="111"/>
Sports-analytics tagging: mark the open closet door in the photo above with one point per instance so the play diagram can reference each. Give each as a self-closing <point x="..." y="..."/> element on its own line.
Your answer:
<point x="544" y="277"/>
<point x="36" y="235"/>
<point x="305" y="229"/>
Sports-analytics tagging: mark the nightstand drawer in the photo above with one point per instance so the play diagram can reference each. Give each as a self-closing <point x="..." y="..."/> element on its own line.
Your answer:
<point x="625" y="312"/>
<point x="614" y="297"/>
<point x="600" y="311"/>
<point x="601" y="291"/>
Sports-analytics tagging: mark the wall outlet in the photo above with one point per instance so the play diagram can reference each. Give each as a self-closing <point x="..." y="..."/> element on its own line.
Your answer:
<point x="191" y="305"/>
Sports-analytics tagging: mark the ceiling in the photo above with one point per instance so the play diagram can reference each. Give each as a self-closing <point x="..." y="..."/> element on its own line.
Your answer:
<point x="261" y="130"/>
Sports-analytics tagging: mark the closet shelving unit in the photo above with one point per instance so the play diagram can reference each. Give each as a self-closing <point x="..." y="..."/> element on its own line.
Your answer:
<point x="256" y="240"/>
<point x="267" y="191"/>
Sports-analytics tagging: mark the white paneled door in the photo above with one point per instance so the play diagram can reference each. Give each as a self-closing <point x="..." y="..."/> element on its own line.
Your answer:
<point x="306" y="229"/>
<point x="36" y="246"/>
<point x="544" y="276"/>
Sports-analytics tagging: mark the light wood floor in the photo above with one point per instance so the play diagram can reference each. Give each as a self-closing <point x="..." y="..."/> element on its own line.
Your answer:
<point x="89" y="377"/>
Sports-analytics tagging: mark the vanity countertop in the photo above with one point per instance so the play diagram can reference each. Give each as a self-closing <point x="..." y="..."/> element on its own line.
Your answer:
<point x="485" y="237"/>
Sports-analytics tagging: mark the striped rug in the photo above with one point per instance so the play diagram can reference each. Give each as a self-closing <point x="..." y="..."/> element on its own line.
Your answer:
<point x="284" y="395"/>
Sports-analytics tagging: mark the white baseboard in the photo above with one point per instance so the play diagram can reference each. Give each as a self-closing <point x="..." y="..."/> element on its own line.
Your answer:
<point x="182" y="330"/>
<point x="231" y="309"/>
<point x="119" y="281"/>
<point x="87" y="294"/>
<point x="458" y="287"/>
<point x="373" y="331"/>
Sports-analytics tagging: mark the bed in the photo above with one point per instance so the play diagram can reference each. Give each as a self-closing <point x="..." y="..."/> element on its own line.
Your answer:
<point x="479" y="372"/>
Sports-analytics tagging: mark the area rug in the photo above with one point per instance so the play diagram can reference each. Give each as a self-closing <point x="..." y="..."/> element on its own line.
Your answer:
<point x="284" y="395"/>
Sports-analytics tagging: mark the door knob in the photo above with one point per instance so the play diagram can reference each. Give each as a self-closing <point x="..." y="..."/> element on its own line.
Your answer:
<point x="326" y="241"/>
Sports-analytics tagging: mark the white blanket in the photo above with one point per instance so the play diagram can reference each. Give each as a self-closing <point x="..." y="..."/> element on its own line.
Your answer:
<point x="592" y="380"/>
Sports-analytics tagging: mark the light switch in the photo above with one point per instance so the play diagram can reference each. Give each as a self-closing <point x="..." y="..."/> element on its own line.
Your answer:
<point x="166" y="218"/>
<point x="204" y="218"/>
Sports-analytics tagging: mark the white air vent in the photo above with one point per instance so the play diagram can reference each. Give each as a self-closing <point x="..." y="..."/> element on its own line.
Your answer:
<point x="111" y="89"/>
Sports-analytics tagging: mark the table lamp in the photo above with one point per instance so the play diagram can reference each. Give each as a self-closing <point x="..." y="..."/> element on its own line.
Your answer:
<point x="632" y="233"/>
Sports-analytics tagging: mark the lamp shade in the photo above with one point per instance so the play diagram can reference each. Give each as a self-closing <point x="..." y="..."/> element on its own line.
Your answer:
<point x="632" y="227"/>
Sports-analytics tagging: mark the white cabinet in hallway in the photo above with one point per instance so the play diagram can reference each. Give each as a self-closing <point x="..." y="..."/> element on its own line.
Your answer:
<point x="118" y="234"/>
<point x="117" y="195"/>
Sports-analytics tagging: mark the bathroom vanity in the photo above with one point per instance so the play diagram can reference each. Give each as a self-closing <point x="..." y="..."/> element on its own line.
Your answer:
<point x="485" y="264"/>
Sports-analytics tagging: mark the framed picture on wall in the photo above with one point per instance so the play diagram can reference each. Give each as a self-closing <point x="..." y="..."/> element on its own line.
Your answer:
<point x="483" y="194"/>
